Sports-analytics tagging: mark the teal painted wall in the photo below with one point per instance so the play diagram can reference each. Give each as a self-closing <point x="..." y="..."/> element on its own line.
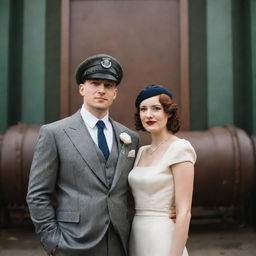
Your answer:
<point x="222" y="63"/>
<point x="30" y="50"/>
<point x="219" y="63"/>
<point x="33" y="62"/>
<point x="41" y="61"/>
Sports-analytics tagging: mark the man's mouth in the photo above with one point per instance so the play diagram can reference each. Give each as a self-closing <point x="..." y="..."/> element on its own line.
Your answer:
<point x="100" y="99"/>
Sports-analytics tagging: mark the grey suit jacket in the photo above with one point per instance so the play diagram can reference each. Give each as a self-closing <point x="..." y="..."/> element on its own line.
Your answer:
<point x="66" y="169"/>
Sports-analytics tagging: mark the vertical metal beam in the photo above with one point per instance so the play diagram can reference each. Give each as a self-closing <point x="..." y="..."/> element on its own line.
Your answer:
<point x="52" y="61"/>
<point x="64" y="79"/>
<point x="219" y="62"/>
<point x="33" y="62"/>
<point x="15" y="60"/>
<point x="253" y="62"/>
<point x="184" y="65"/>
<point x="198" y="64"/>
<point x="4" y="63"/>
<point x="40" y="61"/>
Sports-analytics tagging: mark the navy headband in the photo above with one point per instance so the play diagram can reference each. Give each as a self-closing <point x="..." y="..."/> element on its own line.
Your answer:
<point x="150" y="91"/>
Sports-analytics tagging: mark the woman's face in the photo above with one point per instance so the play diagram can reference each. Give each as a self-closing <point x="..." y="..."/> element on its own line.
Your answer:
<point x="152" y="115"/>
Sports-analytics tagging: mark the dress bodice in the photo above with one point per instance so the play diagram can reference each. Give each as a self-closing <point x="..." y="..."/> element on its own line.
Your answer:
<point x="153" y="186"/>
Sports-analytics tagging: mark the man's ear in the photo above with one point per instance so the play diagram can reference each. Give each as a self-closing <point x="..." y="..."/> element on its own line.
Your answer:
<point x="116" y="91"/>
<point x="81" y="89"/>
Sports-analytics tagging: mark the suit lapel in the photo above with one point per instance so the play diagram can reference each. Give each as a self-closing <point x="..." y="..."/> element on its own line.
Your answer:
<point x="81" y="139"/>
<point x="121" y="156"/>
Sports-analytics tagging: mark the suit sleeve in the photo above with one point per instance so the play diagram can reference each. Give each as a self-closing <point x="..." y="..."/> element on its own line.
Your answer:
<point x="42" y="182"/>
<point x="131" y="203"/>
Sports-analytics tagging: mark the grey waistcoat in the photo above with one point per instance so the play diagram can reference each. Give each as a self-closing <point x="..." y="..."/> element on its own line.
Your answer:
<point x="110" y="165"/>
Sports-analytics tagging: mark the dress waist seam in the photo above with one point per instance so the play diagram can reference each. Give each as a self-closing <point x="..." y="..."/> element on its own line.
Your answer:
<point x="153" y="212"/>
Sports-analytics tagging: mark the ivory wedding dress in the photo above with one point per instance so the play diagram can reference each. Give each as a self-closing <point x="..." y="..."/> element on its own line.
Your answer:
<point x="153" y="191"/>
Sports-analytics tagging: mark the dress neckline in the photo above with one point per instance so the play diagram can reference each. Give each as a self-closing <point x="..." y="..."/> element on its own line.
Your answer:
<point x="162" y="157"/>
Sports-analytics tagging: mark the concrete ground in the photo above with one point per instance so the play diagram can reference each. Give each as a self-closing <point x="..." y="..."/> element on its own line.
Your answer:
<point x="205" y="239"/>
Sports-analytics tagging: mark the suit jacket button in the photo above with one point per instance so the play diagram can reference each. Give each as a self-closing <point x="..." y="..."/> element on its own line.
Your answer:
<point x="107" y="222"/>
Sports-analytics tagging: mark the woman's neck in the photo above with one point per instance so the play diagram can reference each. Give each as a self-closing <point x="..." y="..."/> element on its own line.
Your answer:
<point x="157" y="138"/>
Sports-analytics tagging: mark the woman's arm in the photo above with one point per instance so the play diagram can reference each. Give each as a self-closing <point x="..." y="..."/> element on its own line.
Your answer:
<point x="183" y="185"/>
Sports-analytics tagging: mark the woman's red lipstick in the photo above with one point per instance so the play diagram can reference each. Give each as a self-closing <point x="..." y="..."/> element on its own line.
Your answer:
<point x="150" y="122"/>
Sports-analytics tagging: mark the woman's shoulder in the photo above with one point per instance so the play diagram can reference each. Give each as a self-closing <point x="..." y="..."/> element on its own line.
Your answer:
<point x="181" y="150"/>
<point x="181" y="143"/>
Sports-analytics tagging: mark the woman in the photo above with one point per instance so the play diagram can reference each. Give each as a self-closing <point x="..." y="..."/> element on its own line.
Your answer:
<point x="162" y="178"/>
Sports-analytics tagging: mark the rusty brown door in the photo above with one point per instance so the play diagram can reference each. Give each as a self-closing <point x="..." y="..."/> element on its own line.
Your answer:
<point x="149" y="38"/>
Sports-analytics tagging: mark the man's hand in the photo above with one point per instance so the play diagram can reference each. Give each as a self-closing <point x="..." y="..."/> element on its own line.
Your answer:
<point x="53" y="251"/>
<point x="173" y="217"/>
<point x="173" y="213"/>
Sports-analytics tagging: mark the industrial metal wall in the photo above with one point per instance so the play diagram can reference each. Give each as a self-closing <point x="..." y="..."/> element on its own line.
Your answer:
<point x="222" y="61"/>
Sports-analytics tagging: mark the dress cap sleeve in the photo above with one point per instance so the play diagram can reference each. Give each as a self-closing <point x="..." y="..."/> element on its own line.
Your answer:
<point x="181" y="151"/>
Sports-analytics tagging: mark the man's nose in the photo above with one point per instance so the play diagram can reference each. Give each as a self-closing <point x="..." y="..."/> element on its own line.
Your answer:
<point x="101" y="88"/>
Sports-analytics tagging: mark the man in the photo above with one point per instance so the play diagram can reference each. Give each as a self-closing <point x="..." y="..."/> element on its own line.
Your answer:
<point x="82" y="163"/>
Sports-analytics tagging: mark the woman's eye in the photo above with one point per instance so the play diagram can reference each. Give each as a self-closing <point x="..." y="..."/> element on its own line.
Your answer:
<point x="157" y="108"/>
<point x="143" y="109"/>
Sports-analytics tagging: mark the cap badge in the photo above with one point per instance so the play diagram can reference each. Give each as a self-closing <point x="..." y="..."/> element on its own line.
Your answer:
<point x="106" y="63"/>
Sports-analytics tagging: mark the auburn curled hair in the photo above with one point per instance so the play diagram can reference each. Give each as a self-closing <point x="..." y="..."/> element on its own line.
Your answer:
<point x="170" y="108"/>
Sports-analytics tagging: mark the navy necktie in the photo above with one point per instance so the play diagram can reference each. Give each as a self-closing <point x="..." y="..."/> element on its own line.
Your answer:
<point x="102" y="143"/>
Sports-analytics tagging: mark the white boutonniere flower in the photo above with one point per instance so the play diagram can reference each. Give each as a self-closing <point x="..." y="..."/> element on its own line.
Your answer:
<point x="131" y="153"/>
<point x="126" y="139"/>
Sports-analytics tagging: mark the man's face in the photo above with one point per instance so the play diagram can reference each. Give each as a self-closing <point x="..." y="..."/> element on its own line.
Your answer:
<point x="98" y="95"/>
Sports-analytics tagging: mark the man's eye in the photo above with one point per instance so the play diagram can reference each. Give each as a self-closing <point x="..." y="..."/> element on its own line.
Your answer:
<point x="110" y="85"/>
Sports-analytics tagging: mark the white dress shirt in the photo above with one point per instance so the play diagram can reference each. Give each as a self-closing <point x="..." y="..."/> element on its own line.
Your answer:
<point x="90" y="121"/>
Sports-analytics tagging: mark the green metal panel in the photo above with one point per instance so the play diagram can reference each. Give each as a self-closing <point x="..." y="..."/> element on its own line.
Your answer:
<point x="41" y="61"/>
<point x="33" y="62"/>
<point x="219" y="62"/>
<point x="52" y="64"/>
<point x="4" y="61"/>
<point x="197" y="64"/>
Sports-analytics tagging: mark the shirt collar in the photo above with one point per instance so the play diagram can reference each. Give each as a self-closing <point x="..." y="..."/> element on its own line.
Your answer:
<point x="91" y="120"/>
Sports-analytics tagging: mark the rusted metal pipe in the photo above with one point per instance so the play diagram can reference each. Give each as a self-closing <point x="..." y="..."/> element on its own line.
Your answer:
<point x="225" y="168"/>
<point x="16" y="157"/>
<point x="224" y="171"/>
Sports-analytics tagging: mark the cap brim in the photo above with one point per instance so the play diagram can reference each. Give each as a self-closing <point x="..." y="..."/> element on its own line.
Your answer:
<point x="101" y="76"/>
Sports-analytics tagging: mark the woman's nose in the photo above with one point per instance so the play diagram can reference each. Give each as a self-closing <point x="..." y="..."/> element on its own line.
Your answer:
<point x="148" y="113"/>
